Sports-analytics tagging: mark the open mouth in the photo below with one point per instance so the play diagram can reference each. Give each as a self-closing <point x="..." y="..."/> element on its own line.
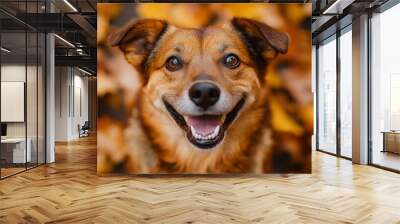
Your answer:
<point x="205" y="131"/>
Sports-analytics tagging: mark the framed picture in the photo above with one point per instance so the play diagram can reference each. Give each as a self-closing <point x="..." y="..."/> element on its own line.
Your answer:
<point x="216" y="88"/>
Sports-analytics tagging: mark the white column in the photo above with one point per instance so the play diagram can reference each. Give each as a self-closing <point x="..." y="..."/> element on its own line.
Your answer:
<point x="50" y="98"/>
<point x="314" y="92"/>
<point x="360" y="90"/>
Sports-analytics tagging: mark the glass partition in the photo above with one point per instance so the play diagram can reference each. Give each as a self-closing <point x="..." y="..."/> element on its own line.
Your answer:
<point x="41" y="86"/>
<point x="346" y="93"/>
<point x="22" y="88"/>
<point x="385" y="89"/>
<point x="31" y="99"/>
<point x="327" y="95"/>
<point x="14" y="146"/>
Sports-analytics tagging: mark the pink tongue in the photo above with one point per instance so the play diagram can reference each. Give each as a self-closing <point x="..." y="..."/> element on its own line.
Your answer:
<point x="204" y="125"/>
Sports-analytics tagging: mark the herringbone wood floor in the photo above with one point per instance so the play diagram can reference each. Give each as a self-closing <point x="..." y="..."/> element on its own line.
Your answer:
<point x="69" y="191"/>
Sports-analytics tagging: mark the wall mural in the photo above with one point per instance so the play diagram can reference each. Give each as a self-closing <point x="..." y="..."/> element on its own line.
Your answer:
<point x="204" y="88"/>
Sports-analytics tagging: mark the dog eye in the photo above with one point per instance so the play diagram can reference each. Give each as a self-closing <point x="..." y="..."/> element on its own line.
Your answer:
<point x="173" y="63"/>
<point x="231" y="61"/>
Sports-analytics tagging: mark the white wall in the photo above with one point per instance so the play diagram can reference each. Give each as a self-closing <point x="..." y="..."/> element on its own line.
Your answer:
<point x="80" y="103"/>
<point x="13" y="73"/>
<point x="33" y="127"/>
<point x="61" y="103"/>
<point x="71" y="94"/>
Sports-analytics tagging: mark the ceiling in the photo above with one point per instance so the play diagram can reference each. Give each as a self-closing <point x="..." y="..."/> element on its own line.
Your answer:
<point x="72" y="20"/>
<point x="75" y="21"/>
<point x="331" y="15"/>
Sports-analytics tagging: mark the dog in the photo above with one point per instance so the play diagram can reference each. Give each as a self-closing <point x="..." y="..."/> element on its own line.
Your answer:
<point x="204" y="102"/>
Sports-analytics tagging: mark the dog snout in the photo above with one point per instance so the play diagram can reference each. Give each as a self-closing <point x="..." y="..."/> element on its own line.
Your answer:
<point x="204" y="94"/>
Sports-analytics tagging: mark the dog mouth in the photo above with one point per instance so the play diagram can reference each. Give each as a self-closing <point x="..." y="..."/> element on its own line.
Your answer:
<point x="205" y="131"/>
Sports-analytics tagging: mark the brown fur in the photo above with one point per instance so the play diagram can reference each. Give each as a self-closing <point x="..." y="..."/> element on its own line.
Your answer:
<point x="157" y="143"/>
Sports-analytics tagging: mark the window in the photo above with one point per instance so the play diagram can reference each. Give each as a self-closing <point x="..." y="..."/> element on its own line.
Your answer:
<point x="385" y="89"/>
<point x="327" y="96"/>
<point x="346" y="93"/>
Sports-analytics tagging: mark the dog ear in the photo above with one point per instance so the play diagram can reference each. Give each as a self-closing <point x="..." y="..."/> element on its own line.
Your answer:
<point x="263" y="40"/>
<point x="138" y="39"/>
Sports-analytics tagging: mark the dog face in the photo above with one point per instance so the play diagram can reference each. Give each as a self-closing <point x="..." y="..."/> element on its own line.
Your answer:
<point x="204" y="79"/>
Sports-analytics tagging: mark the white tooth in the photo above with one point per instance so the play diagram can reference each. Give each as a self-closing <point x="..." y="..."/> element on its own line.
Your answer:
<point x="192" y="130"/>
<point x="207" y="137"/>
<point x="216" y="131"/>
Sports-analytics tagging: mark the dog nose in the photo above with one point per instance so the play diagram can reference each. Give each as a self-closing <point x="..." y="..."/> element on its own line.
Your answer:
<point x="204" y="94"/>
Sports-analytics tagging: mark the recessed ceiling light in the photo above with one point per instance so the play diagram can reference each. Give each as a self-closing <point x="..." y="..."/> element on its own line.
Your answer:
<point x="337" y="7"/>
<point x="70" y="5"/>
<point x="64" y="40"/>
<point x="5" y="50"/>
<point x="84" y="71"/>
